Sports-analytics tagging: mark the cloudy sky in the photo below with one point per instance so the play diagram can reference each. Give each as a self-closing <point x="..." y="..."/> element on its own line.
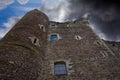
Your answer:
<point x="103" y="15"/>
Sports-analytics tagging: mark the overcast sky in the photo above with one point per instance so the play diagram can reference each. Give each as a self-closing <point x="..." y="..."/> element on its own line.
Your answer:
<point x="103" y="15"/>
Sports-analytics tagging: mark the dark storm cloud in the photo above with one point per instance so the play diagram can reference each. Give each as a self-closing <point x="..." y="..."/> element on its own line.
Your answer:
<point x="103" y="14"/>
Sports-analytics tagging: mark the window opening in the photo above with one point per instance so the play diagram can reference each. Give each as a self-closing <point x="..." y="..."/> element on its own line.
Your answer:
<point x="35" y="40"/>
<point x="53" y="37"/>
<point x="42" y="27"/>
<point x="98" y="43"/>
<point x="60" y="68"/>
<point x="77" y="37"/>
<point x="113" y="44"/>
<point x="53" y="27"/>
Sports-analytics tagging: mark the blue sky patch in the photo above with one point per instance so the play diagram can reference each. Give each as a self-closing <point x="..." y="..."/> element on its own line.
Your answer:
<point x="11" y="9"/>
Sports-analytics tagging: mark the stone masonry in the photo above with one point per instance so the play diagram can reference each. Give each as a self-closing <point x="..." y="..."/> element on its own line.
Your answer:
<point x="27" y="52"/>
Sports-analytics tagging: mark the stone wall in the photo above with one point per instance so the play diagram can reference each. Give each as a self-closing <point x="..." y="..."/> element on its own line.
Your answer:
<point x="86" y="56"/>
<point x="28" y="53"/>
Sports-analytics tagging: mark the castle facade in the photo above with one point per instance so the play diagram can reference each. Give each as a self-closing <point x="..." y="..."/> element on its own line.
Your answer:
<point x="39" y="49"/>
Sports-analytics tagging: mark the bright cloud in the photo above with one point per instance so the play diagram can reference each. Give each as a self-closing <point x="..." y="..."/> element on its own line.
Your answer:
<point x="2" y="33"/>
<point x="11" y="22"/>
<point x="23" y="1"/>
<point x="8" y="25"/>
<point x="4" y="3"/>
<point x="26" y="9"/>
<point x="57" y="10"/>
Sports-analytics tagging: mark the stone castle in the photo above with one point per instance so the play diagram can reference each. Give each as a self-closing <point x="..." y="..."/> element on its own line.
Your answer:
<point x="39" y="49"/>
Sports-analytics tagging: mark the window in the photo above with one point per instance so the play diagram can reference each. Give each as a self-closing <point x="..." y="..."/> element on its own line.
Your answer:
<point x="98" y="43"/>
<point x="77" y="37"/>
<point x="60" y="68"/>
<point x="35" y="40"/>
<point x="42" y="27"/>
<point x="113" y="44"/>
<point x="52" y="26"/>
<point x="54" y="37"/>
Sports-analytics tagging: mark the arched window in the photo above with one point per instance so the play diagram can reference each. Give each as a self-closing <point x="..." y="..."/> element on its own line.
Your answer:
<point x="60" y="68"/>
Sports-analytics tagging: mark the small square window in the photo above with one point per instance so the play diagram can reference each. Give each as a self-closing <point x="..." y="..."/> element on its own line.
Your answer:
<point x="53" y="37"/>
<point x="60" y="68"/>
<point x="52" y="26"/>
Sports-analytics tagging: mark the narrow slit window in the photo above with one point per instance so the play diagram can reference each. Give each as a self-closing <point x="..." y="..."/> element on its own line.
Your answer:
<point x="60" y="68"/>
<point x="53" y="37"/>
<point x="34" y="40"/>
<point x="98" y="43"/>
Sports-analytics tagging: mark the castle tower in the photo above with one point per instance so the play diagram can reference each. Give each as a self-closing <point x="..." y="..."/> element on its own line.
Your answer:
<point x="22" y="49"/>
<point x="75" y="52"/>
<point x="37" y="49"/>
